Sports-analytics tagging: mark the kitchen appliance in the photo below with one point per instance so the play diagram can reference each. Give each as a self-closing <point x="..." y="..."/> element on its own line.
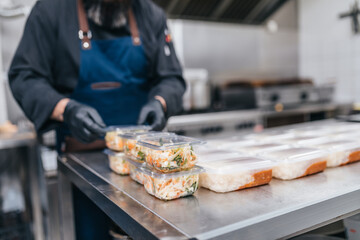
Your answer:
<point x="216" y="124"/>
<point x="272" y="94"/>
<point x="197" y="95"/>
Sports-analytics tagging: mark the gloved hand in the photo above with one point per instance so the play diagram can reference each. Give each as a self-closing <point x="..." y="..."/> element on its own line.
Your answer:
<point x="84" y="122"/>
<point x="153" y="114"/>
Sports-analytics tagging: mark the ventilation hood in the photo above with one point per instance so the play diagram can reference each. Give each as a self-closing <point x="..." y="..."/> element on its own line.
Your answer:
<point x="233" y="11"/>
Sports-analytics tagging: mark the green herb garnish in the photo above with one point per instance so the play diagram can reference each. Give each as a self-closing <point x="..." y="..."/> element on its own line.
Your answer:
<point x="141" y="155"/>
<point x="178" y="160"/>
<point x="192" y="188"/>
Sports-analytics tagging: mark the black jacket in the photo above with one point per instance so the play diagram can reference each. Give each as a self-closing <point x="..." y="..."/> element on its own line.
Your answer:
<point x="46" y="64"/>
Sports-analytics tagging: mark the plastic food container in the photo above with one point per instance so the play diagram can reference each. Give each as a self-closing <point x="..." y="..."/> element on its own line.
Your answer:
<point x="135" y="151"/>
<point x="117" y="162"/>
<point x="171" y="185"/>
<point x="296" y="162"/>
<point x="260" y="148"/>
<point x="114" y="141"/>
<point x="136" y="174"/>
<point x="170" y="153"/>
<point x="341" y="152"/>
<point x="234" y="174"/>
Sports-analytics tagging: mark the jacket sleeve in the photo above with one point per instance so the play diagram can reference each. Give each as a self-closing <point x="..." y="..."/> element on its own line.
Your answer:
<point x="168" y="72"/>
<point x="30" y="75"/>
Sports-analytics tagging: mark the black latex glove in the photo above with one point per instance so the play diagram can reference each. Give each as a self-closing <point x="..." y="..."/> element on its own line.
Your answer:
<point x="84" y="122"/>
<point x="153" y="114"/>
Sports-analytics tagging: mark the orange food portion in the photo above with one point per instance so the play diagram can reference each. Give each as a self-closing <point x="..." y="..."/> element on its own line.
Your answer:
<point x="130" y="145"/>
<point x="353" y="157"/>
<point x="315" y="168"/>
<point x="120" y="144"/>
<point x="260" y="178"/>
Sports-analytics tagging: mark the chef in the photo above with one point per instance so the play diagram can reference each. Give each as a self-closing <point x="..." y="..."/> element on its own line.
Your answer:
<point x="85" y="64"/>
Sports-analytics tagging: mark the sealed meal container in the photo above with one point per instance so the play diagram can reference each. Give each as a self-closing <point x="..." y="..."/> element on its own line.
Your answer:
<point x="135" y="151"/>
<point x="114" y="141"/>
<point x="254" y="149"/>
<point x="170" y="153"/>
<point x="296" y="162"/>
<point x="234" y="174"/>
<point x="341" y="152"/>
<point x="117" y="162"/>
<point x="135" y="173"/>
<point x="168" y="186"/>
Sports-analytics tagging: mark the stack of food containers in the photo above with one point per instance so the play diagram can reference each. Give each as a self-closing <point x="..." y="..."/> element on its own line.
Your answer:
<point x="135" y="153"/>
<point x="169" y="171"/>
<point x="115" y="143"/>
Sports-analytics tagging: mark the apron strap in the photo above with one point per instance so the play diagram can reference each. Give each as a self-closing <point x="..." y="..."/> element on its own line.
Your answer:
<point x="134" y="28"/>
<point x="85" y="33"/>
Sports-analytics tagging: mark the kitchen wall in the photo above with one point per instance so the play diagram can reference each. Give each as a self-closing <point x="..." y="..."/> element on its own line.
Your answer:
<point x="230" y="51"/>
<point x="329" y="50"/>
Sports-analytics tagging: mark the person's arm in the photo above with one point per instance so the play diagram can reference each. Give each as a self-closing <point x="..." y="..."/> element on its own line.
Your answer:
<point x="165" y="97"/>
<point x="170" y="85"/>
<point x="30" y="74"/>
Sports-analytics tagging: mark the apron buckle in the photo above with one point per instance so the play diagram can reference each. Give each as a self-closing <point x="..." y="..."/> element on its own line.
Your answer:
<point x="87" y="34"/>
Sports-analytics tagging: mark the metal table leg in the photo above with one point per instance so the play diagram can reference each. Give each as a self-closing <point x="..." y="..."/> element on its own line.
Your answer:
<point x="67" y="226"/>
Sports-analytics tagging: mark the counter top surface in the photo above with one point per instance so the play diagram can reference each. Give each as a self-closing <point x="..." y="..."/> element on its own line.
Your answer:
<point x="280" y="209"/>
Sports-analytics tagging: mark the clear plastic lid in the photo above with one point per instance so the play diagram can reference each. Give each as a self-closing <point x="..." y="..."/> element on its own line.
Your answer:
<point x="341" y="127"/>
<point x="128" y="128"/>
<point x="112" y="153"/>
<point x="306" y="140"/>
<point x="220" y="143"/>
<point x="261" y="147"/>
<point x="270" y="136"/>
<point x="295" y="154"/>
<point x="311" y="131"/>
<point x="338" y="145"/>
<point x="210" y="155"/>
<point x="139" y="135"/>
<point x="238" y="164"/>
<point x="168" y="142"/>
<point x="143" y="168"/>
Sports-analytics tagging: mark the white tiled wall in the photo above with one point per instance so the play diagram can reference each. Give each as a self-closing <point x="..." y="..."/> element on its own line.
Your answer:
<point x="329" y="50"/>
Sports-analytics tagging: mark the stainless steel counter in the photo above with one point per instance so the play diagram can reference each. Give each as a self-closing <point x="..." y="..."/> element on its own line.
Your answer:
<point x="278" y="210"/>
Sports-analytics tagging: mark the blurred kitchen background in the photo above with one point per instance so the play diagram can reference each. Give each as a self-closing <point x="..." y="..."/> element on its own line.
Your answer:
<point x="249" y="65"/>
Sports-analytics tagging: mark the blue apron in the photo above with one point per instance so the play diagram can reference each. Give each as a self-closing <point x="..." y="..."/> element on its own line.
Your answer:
<point x="111" y="80"/>
<point x="112" y="77"/>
